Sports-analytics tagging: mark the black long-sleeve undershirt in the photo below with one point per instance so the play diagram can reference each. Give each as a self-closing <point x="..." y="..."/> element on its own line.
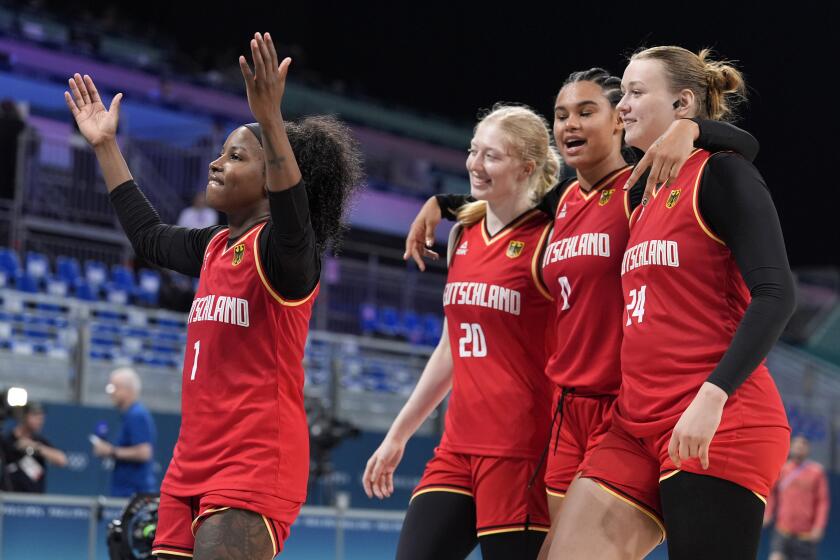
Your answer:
<point x="288" y="251"/>
<point x="736" y="204"/>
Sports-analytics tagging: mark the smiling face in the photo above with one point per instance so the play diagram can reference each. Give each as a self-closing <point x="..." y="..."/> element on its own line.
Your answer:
<point x="237" y="177"/>
<point x="647" y="107"/>
<point x="496" y="172"/>
<point x="587" y="128"/>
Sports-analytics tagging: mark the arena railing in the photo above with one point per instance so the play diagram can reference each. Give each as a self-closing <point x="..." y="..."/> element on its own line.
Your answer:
<point x="77" y="528"/>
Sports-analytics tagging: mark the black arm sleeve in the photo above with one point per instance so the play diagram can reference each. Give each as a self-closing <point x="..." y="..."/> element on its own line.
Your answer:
<point x="450" y="203"/>
<point x="177" y="248"/>
<point x="715" y="136"/>
<point x="719" y="136"/>
<point x="287" y="245"/>
<point x="736" y="204"/>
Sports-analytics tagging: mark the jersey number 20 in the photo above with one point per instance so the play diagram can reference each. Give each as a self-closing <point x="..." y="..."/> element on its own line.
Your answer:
<point x="472" y="344"/>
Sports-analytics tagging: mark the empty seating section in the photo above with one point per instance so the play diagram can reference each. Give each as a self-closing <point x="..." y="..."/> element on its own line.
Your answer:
<point x="66" y="325"/>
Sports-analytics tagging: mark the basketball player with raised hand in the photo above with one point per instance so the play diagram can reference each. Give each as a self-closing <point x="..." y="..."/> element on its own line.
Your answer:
<point x="484" y="484"/>
<point x="239" y="472"/>
<point x="699" y="432"/>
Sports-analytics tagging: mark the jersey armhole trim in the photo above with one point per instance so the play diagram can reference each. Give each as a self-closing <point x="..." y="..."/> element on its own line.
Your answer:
<point x="267" y="285"/>
<point x="695" y="205"/>
<point x="536" y="274"/>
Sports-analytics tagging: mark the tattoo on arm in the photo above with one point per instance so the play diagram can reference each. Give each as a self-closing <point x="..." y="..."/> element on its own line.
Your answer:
<point x="273" y="159"/>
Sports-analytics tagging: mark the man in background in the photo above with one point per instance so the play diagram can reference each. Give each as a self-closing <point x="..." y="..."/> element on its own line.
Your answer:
<point x="799" y="504"/>
<point x="133" y="451"/>
<point x="27" y="452"/>
<point x="199" y="215"/>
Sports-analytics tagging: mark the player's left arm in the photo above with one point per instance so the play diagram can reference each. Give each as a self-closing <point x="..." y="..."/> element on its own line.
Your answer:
<point x="736" y="205"/>
<point x="287" y="247"/>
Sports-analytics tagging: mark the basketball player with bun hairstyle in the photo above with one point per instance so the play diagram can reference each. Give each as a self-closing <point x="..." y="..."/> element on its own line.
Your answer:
<point x="582" y="263"/>
<point x="699" y="432"/>
<point x="239" y="472"/>
<point x="484" y="485"/>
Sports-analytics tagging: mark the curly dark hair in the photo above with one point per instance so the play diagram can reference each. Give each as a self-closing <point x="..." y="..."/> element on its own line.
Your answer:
<point x="330" y="162"/>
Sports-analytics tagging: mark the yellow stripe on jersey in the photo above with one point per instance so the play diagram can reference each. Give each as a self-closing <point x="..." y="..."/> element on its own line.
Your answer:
<point x="270" y="535"/>
<point x="696" y="206"/>
<point x="440" y="489"/>
<point x="536" y="275"/>
<point x="257" y="227"/>
<point x="627" y="204"/>
<point x="598" y="187"/>
<point x="156" y="551"/>
<point x="505" y="231"/>
<point x="512" y="529"/>
<point x="206" y="513"/>
<point x="267" y="285"/>
<point x="669" y="475"/>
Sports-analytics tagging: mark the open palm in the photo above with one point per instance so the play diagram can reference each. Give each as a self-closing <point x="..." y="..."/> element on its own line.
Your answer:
<point x="96" y="123"/>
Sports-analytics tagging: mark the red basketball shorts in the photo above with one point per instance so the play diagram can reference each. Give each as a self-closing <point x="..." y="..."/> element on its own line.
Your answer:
<point x="585" y="421"/>
<point x="631" y="468"/>
<point x="499" y="486"/>
<point x="179" y="518"/>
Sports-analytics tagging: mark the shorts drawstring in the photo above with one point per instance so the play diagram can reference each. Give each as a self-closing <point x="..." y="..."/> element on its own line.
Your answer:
<point x="557" y="412"/>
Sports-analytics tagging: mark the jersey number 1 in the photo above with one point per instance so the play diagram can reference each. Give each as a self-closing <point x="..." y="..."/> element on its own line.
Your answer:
<point x="472" y="344"/>
<point x="197" y="348"/>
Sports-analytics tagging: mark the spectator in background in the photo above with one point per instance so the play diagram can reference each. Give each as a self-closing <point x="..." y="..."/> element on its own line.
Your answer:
<point x="133" y="452"/>
<point x="27" y="453"/>
<point x="199" y="215"/>
<point x="11" y="125"/>
<point x="799" y="505"/>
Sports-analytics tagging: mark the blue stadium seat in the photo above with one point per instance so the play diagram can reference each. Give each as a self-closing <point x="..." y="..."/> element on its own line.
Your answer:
<point x="116" y="293"/>
<point x="37" y="265"/>
<point x="26" y="283"/>
<point x="410" y="327"/>
<point x="148" y="287"/>
<point x="123" y="277"/>
<point x="96" y="273"/>
<point x="367" y="318"/>
<point x="56" y="286"/>
<point x="432" y="327"/>
<point x="67" y="268"/>
<point x="387" y="321"/>
<point x="84" y="291"/>
<point x="9" y="262"/>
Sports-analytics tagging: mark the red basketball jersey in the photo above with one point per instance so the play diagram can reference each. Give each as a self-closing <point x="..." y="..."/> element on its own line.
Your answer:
<point x="684" y="299"/>
<point x="498" y="315"/>
<point x="243" y="424"/>
<point x="581" y="268"/>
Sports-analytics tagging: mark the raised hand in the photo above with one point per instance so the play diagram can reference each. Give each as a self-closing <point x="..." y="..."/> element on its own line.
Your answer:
<point x="97" y="124"/>
<point x="267" y="83"/>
